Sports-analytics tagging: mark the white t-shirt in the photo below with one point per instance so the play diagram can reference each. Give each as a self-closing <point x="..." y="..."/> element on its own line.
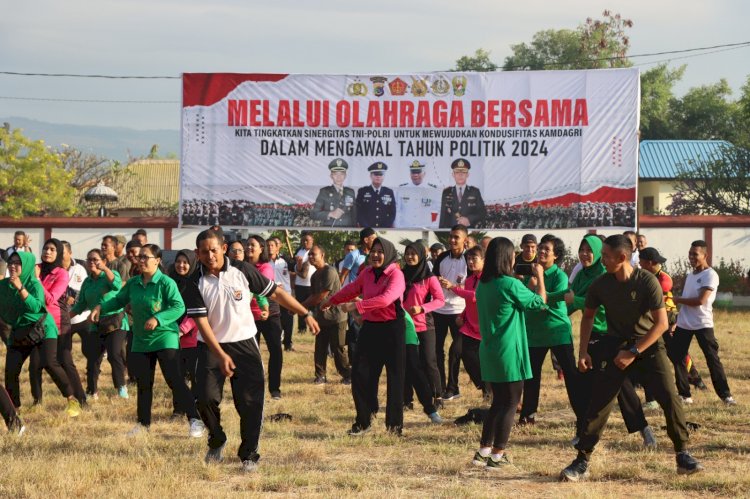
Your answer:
<point x="455" y="270"/>
<point x="76" y="275"/>
<point x="298" y="281"/>
<point x="281" y="274"/>
<point x="693" y="318"/>
<point x="574" y="272"/>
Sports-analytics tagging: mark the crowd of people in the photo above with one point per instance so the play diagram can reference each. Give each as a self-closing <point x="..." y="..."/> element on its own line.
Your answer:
<point x="559" y="216"/>
<point x="202" y="319"/>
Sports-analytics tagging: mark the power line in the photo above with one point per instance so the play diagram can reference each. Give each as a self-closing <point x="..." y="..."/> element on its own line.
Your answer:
<point x="99" y="101"/>
<point x="142" y="77"/>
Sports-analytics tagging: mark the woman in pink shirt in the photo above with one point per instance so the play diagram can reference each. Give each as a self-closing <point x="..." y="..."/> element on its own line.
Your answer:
<point x="469" y="319"/>
<point x="423" y="295"/>
<point x="54" y="279"/>
<point x="382" y="337"/>
<point x="181" y="271"/>
<point x="256" y="253"/>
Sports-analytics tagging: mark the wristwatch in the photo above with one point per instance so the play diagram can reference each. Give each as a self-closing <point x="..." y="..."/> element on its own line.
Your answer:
<point x="634" y="350"/>
<point x="309" y="313"/>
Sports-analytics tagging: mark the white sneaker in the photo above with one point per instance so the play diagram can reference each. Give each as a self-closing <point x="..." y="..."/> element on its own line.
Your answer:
<point x="729" y="401"/>
<point x="197" y="428"/>
<point x="137" y="430"/>
<point x="686" y="400"/>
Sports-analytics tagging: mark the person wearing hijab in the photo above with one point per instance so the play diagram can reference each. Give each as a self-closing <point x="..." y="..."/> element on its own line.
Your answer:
<point x="157" y="306"/>
<point x="22" y="306"/>
<point x="382" y="337"/>
<point x="423" y="295"/>
<point x="54" y="279"/>
<point x="590" y="257"/>
<point x="180" y="271"/>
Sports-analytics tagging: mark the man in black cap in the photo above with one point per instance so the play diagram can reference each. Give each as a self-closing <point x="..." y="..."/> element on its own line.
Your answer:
<point x="334" y="205"/>
<point x="527" y="256"/>
<point x="376" y="205"/>
<point x="462" y="204"/>
<point x="417" y="201"/>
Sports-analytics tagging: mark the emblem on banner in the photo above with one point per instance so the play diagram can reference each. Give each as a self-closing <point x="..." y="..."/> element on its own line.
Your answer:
<point x="378" y="85"/>
<point x="418" y="87"/>
<point x="357" y="89"/>
<point x="441" y="87"/>
<point x="459" y="86"/>
<point x="397" y="87"/>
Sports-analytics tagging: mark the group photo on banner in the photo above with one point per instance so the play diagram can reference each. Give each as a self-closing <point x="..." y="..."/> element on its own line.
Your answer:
<point x="506" y="150"/>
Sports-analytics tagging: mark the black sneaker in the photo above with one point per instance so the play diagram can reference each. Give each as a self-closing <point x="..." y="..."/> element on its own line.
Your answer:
<point x="526" y="421"/>
<point x="276" y="395"/>
<point x="576" y="471"/>
<point x="687" y="464"/>
<point x="449" y="395"/>
<point x="215" y="456"/>
<point x="358" y="430"/>
<point x="320" y="380"/>
<point x="346" y="381"/>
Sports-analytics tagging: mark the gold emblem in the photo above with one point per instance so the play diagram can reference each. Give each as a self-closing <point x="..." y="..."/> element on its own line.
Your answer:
<point x="339" y="162"/>
<point x="441" y="87"/>
<point x="459" y="86"/>
<point x="397" y="87"/>
<point x="461" y="163"/>
<point x="156" y="307"/>
<point x="418" y="87"/>
<point x="357" y="89"/>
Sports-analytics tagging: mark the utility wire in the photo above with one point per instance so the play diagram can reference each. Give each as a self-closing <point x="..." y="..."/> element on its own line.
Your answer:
<point x="4" y="97"/>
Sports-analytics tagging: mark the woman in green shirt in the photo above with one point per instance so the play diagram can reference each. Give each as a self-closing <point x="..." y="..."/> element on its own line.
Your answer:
<point x="503" y="351"/>
<point x="109" y="335"/>
<point x="156" y="305"/>
<point x="22" y="306"/>
<point x="549" y="330"/>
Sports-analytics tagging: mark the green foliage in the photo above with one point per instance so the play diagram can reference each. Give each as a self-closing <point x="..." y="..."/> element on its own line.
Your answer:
<point x="594" y="44"/>
<point x="714" y="186"/>
<point x="657" y="102"/>
<point x="733" y="276"/>
<point x="32" y="179"/>
<point x="480" y="61"/>
<point x="330" y="240"/>
<point x="87" y="170"/>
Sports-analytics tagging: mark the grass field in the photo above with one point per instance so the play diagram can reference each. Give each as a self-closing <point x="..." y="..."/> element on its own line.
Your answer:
<point x="313" y="456"/>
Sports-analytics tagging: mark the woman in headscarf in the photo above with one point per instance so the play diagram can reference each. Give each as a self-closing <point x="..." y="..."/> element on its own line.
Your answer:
<point x="54" y="279"/>
<point x="22" y="307"/>
<point x="180" y="271"/>
<point x="157" y="306"/>
<point x="423" y="295"/>
<point x="381" y="340"/>
<point x="590" y="256"/>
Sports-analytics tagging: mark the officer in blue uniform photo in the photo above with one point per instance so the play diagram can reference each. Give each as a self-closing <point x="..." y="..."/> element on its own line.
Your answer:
<point x="376" y="205"/>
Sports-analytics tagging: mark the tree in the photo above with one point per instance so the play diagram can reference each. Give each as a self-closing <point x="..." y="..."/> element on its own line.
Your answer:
<point x="719" y="185"/>
<point x="706" y="112"/>
<point x="658" y="101"/>
<point x="33" y="181"/>
<point x="479" y="62"/>
<point x="594" y="44"/>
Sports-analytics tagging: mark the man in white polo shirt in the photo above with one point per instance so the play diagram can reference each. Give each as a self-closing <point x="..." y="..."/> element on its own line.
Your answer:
<point x="304" y="272"/>
<point x="696" y="318"/>
<point x="218" y="298"/>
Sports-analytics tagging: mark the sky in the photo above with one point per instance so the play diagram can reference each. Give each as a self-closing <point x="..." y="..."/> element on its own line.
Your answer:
<point x="167" y="38"/>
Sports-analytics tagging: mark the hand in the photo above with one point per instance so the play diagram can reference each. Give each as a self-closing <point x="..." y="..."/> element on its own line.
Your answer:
<point x="71" y="300"/>
<point x="537" y="271"/>
<point x="264" y="314"/>
<point x="463" y="221"/>
<point x="151" y="324"/>
<point x="16" y="281"/>
<point x="624" y="358"/>
<point x="101" y="265"/>
<point x="569" y="297"/>
<point x="416" y="309"/>
<point x="459" y="321"/>
<point x="533" y="282"/>
<point x="336" y="214"/>
<point x="312" y="325"/>
<point x="298" y="259"/>
<point x="227" y="366"/>
<point x="445" y="283"/>
<point x="94" y="317"/>
<point x="584" y="362"/>
<point x="348" y="307"/>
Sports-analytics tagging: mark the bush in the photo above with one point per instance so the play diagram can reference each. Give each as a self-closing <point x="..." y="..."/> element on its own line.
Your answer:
<point x="733" y="277"/>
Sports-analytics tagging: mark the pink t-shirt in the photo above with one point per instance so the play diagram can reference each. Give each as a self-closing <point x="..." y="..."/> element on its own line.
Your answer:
<point x="470" y="314"/>
<point x="55" y="285"/>
<point x="377" y="304"/>
<point x="266" y="269"/>
<point x="417" y="294"/>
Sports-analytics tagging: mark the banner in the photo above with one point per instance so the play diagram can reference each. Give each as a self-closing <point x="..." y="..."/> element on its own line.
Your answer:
<point x="502" y="150"/>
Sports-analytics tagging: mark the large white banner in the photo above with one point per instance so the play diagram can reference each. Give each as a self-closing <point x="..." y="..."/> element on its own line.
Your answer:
<point x="504" y="150"/>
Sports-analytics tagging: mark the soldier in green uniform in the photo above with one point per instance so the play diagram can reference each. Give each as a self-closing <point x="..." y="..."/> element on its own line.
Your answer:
<point x="462" y="204"/>
<point x="334" y="205"/>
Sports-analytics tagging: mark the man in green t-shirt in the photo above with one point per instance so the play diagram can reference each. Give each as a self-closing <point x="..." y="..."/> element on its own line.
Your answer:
<point x="636" y="318"/>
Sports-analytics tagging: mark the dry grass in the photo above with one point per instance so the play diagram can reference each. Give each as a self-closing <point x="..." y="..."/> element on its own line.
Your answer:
<point x="313" y="456"/>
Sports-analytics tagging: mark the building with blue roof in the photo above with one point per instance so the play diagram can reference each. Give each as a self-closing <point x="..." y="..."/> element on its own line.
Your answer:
<point x="658" y="163"/>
